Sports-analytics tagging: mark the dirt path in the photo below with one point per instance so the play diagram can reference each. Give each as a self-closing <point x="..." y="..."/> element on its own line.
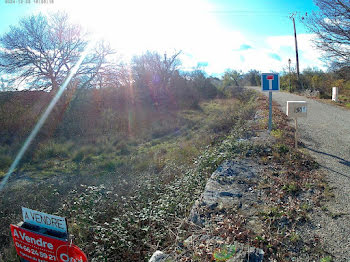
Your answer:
<point x="326" y="135"/>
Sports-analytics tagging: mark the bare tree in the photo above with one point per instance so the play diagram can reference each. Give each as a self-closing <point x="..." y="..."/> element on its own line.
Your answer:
<point x="42" y="50"/>
<point x="152" y="67"/>
<point x="154" y="75"/>
<point x="331" y="24"/>
<point x="114" y="75"/>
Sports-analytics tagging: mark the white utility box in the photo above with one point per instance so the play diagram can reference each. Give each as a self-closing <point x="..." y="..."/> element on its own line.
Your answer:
<point x="296" y="109"/>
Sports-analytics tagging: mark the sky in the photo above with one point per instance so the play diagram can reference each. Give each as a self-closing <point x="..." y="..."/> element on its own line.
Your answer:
<point x="214" y="35"/>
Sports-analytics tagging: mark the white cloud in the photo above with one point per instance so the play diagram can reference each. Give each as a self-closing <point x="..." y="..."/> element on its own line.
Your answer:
<point x="309" y="56"/>
<point x="263" y="55"/>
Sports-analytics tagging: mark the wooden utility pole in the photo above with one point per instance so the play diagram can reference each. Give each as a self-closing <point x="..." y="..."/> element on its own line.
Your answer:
<point x="296" y="45"/>
<point x="289" y="61"/>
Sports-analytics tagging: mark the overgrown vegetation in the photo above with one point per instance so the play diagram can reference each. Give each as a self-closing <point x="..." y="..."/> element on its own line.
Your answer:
<point x="290" y="187"/>
<point x="122" y="190"/>
<point x="318" y="84"/>
<point x="127" y="199"/>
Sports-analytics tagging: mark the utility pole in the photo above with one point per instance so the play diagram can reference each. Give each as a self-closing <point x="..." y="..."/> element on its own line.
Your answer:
<point x="296" y="45"/>
<point x="289" y="61"/>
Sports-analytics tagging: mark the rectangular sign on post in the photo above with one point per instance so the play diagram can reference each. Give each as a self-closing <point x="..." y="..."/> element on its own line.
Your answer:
<point x="44" y="220"/>
<point x="33" y="246"/>
<point x="270" y="82"/>
<point x="296" y="109"/>
<point x="36" y="247"/>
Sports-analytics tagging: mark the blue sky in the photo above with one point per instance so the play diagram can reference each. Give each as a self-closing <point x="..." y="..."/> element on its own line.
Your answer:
<point x="264" y="17"/>
<point x="213" y="34"/>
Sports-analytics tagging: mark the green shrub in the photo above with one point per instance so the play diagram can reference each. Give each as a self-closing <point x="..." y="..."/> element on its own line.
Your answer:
<point x="161" y="131"/>
<point x="88" y="159"/>
<point x="123" y="148"/>
<point x="326" y="259"/>
<point x="281" y="148"/>
<point x="4" y="149"/>
<point x="78" y="156"/>
<point x="294" y="237"/>
<point x="5" y="162"/>
<point x="52" y="150"/>
<point x="278" y="133"/>
<point x="83" y="153"/>
<point x="110" y="165"/>
<point x="225" y="253"/>
<point x="291" y="188"/>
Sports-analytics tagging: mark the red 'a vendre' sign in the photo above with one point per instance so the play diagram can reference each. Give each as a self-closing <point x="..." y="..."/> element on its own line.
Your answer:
<point x="35" y="247"/>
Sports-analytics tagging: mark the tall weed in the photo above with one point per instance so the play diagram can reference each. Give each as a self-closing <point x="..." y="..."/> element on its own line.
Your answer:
<point x="53" y="150"/>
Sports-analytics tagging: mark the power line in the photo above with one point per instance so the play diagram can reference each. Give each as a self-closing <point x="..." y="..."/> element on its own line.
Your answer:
<point x="279" y="13"/>
<point x="261" y="12"/>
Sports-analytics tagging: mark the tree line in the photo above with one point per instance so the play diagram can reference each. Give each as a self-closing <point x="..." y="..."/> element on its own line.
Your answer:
<point x="41" y="51"/>
<point x="318" y="82"/>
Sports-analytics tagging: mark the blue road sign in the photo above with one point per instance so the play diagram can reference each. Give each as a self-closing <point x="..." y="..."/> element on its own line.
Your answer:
<point x="270" y="82"/>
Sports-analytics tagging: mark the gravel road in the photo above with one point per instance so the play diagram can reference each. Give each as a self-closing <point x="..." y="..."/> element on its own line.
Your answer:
<point x="326" y="135"/>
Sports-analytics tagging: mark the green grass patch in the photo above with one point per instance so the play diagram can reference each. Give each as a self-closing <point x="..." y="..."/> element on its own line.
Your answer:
<point x="326" y="259"/>
<point x="291" y="188"/>
<point x="224" y="253"/>
<point x="53" y="150"/>
<point x="110" y="165"/>
<point x="277" y="133"/>
<point x="83" y="153"/>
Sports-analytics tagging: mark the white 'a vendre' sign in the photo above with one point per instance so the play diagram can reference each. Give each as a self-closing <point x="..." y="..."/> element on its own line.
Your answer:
<point x="44" y="220"/>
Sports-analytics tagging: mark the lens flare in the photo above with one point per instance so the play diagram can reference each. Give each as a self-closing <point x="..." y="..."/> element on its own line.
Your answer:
<point x="43" y="117"/>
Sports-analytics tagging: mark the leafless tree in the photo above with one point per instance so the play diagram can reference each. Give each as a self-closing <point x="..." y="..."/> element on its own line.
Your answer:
<point x="152" y="67"/>
<point x="154" y="76"/>
<point x="331" y="24"/>
<point x="42" y="50"/>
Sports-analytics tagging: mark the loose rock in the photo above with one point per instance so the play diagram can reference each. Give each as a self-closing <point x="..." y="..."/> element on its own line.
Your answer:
<point x="158" y="256"/>
<point x="229" y="187"/>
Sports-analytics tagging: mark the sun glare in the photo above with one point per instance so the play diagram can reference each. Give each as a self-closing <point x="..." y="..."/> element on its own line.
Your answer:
<point x="195" y="27"/>
<point x="134" y="26"/>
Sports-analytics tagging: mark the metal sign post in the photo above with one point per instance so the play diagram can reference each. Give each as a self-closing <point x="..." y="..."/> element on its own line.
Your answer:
<point x="270" y="82"/>
<point x="270" y="111"/>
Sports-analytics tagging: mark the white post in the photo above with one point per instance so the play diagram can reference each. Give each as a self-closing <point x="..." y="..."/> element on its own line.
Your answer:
<point x="335" y="91"/>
